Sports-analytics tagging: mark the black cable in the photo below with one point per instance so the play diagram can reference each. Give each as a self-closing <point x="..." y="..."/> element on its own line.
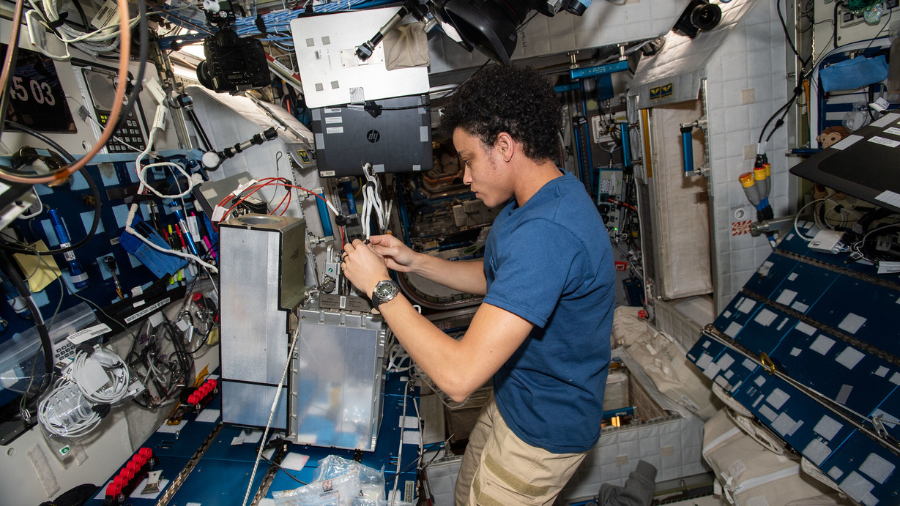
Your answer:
<point x="780" y="121"/>
<point x="142" y="63"/>
<point x="95" y="192"/>
<point x="786" y="107"/>
<point x="834" y="37"/>
<point x="17" y="281"/>
<point x="788" y="37"/>
<point x="291" y="476"/>
<point x="84" y="21"/>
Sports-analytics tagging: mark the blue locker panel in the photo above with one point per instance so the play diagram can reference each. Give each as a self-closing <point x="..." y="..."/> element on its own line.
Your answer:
<point x="802" y="422"/>
<point x="803" y="287"/>
<point x="862" y="310"/>
<point x="721" y="364"/>
<point x="736" y="315"/>
<point x="866" y="471"/>
<point x="771" y="274"/>
<point x="842" y="373"/>
<point x="763" y="330"/>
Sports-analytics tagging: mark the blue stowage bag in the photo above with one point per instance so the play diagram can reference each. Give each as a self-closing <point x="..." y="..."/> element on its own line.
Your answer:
<point x="854" y="73"/>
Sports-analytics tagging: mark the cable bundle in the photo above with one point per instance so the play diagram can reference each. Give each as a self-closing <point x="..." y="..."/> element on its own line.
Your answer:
<point x="73" y="409"/>
<point x="117" y="372"/>
<point x="372" y="201"/>
<point x="100" y="41"/>
<point x="65" y="411"/>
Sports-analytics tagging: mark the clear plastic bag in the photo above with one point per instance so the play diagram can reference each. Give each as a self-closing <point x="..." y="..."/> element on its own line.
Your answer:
<point x="371" y="481"/>
<point x="338" y="491"/>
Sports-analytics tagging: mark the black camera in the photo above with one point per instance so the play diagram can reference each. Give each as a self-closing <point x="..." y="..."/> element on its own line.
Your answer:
<point x="699" y="15"/>
<point x="233" y="63"/>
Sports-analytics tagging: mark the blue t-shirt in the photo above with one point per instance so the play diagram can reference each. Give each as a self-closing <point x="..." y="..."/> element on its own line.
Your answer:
<point x="550" y="262"/>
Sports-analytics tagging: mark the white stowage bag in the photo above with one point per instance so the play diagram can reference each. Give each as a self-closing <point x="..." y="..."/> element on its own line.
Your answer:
<point x="751" y="475"/>
<point x="626" y="326"/>
<point x="665" y="361"/>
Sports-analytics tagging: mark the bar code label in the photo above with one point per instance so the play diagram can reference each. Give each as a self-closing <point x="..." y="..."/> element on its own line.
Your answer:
<point x="107" y="15"/>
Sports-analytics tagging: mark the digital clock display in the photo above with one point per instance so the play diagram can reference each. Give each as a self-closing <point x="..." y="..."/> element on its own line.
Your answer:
<point x="36" y="97"/>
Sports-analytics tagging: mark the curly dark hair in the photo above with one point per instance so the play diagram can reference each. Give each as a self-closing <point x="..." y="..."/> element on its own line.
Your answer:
<point x="515" y="100"/>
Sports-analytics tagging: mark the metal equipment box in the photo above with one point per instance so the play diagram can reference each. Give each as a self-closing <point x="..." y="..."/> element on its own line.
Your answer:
<point x="261" y="266"/>
<point x="337" y="377"/>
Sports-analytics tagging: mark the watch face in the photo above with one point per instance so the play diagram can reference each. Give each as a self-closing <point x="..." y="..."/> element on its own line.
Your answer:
<point x="384" y="289"/>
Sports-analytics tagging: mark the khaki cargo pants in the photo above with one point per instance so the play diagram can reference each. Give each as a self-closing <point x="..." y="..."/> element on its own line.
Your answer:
<point x="499" y="469"/>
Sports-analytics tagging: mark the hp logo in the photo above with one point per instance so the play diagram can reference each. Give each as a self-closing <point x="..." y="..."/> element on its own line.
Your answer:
<point x="373" y="136"/>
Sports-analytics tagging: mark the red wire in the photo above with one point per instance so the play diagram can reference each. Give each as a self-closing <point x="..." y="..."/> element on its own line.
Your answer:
<point x="273" y="180"/>
<point x="622" y="204"/>
<point x="342" y="238"/>
<point x="286" y="206"/>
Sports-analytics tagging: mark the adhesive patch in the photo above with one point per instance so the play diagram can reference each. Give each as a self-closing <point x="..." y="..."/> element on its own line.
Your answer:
<point x="725" y="362"/>
<point x="704" y="361"/>
<point x="877" y="468"/>
<point x="121" y="214"/>
<point x="795" y="352"/>
<point x="726" y="314"/>
<point x="793" y="276"/>
<point x="722" y="383"/>
<point x="786" y="425"/>
<point x="765" y="317"/>
<point x="822" y="344"/>
<point x="849" y="357"/>
<point x="746" y="306"/>
<point x="777" y="398"/>
<point x="758" y="400"/>
<point x="781" y="325"/>
<point x="852" y="323"/>
<point x="835" y="473"/>
<point x="844" y="394"/>
<point x="895" y="378"/>
<point x="799" y="306"/>
<point x="828" y="427"/>
<point x="749" y="364"/>
<point x="42" y="469"/>
<point x="806" y="328"/>
<point x="765" y="268"/>
<point x="728" y="374"/>
<point x="816" y="451"/>
<point x="786" y="297"/>
<point x="767" y="412"/>
<point x="881" y="371"/>
<point x="711" y="371"/>
<point x="870" y="500"/>
<point x="856" y="486"/>
<point x="733" y="329"/>
<point x="760" y="381"/>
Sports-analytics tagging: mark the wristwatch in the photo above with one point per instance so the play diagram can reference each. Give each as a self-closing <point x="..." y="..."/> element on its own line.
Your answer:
<point x="384" y="291"/>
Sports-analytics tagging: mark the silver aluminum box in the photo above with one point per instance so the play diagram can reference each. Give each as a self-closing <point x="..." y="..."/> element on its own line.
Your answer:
<point x="261" y="268"/>
<point x="337" y="378"/>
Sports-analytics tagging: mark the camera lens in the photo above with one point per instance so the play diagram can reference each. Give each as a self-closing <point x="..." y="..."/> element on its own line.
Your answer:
<point x="706" y="17"/>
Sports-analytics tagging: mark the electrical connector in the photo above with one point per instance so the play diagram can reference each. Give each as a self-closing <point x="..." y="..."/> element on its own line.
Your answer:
<point x="159" y="121"/>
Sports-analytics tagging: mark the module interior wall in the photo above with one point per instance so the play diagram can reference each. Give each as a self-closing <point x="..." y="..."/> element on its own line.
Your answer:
<point x="752" y="58"/>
